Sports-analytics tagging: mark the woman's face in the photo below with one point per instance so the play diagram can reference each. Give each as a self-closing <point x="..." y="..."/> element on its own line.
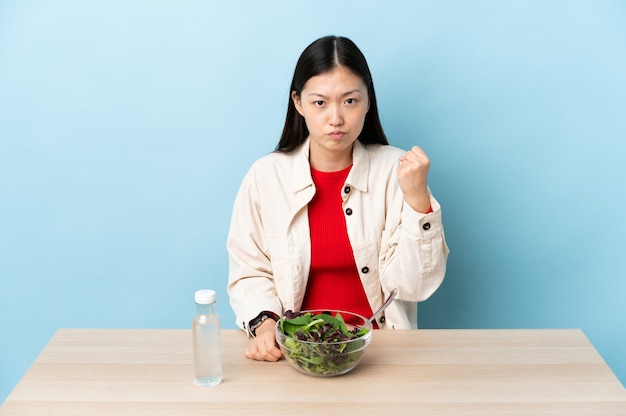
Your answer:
<point x="334" y="105"/>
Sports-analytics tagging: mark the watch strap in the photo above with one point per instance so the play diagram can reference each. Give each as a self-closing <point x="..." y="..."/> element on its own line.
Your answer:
<point x="256" y="322"/>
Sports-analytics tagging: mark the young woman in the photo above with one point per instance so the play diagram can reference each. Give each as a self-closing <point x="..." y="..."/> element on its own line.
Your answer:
<point x="334" y="218"/>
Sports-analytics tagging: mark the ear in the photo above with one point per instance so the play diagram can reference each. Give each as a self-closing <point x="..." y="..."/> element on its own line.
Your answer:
<point x="297" y="102"/>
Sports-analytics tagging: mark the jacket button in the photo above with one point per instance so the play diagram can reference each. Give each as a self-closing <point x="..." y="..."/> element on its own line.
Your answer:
<point x="365" y="269"/>
<point x="382" y="319"/>
<point x="346" y="189"/>
<point x="348" y="211"/>
<point x="426" y="226"/>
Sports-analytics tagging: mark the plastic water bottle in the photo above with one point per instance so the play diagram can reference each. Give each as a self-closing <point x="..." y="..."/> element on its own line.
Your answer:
<point x="207" y="355"/>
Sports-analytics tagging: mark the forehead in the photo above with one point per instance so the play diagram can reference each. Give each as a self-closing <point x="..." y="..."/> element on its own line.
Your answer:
<point x="337" y="80"/>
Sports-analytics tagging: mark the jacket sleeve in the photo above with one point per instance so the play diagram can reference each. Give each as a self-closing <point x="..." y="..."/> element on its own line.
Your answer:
<point x="251" y="286"/>
<point x="414" y="253"/>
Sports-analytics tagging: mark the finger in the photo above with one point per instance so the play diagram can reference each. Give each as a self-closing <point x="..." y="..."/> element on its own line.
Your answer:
<point x="412" y="162"/>
<point x="255" y="350"/>
<point x="263" y="351"/>
<point x="274" y="353"/>
<point x="270" y="350"/>
<point x="251" y="353"/>
<point x="418" y="151"/>
<point x="416" y="154"/>
<point x="408" y="160"/>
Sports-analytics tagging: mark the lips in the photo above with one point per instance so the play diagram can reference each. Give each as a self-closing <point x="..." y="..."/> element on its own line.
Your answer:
<point x="336" y="134"/>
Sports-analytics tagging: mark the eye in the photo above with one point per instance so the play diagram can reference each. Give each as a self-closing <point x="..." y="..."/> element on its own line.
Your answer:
<point x="351" y="101"/>
<point x="318" y="103"/>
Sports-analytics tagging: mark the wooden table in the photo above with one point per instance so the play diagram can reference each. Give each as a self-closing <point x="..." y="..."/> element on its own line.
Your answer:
<point x="427" y="372"/>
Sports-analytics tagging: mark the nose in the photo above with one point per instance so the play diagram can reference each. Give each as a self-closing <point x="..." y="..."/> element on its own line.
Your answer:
<point x="336" y="117"/>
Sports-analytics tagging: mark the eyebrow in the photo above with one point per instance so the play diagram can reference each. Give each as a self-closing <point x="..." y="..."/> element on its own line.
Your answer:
<point x="318" y="94"/>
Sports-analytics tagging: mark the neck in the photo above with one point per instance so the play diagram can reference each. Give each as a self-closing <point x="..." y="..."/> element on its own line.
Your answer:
<point x="330" y="161"/>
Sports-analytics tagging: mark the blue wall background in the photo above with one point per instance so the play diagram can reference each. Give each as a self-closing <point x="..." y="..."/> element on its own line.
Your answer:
<point x="126" y="127"/>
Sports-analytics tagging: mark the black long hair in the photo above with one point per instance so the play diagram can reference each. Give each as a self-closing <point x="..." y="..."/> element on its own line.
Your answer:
<point x="319" y="57"/>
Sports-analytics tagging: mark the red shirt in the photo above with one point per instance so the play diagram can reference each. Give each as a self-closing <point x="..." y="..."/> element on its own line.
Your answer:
<point x="334" y="281"/>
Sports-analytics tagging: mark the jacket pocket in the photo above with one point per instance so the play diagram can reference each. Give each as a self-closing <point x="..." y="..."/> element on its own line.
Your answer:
<point x="287" y="270"/>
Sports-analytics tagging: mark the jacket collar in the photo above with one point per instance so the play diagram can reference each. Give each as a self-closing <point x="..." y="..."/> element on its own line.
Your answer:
<point x="357" y="177"/>
<point x="359" y="174"/>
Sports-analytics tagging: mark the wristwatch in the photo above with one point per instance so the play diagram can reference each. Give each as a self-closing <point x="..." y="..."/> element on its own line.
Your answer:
<point x="256" y="322"/>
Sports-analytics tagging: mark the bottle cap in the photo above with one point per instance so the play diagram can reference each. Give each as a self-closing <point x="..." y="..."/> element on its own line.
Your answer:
<point x="205" y="296"/>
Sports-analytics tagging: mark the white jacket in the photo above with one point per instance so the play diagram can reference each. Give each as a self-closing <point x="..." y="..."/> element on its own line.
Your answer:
<point x="269" y="245"/>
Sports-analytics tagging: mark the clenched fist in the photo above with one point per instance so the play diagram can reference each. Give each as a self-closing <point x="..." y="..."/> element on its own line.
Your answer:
<point x="413" y="179"/>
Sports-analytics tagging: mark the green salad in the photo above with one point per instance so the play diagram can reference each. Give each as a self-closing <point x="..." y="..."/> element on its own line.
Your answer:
<point x="320" y="343"/>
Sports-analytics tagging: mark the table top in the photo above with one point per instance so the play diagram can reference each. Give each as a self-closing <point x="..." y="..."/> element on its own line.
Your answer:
<point x="435" y="372"/>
